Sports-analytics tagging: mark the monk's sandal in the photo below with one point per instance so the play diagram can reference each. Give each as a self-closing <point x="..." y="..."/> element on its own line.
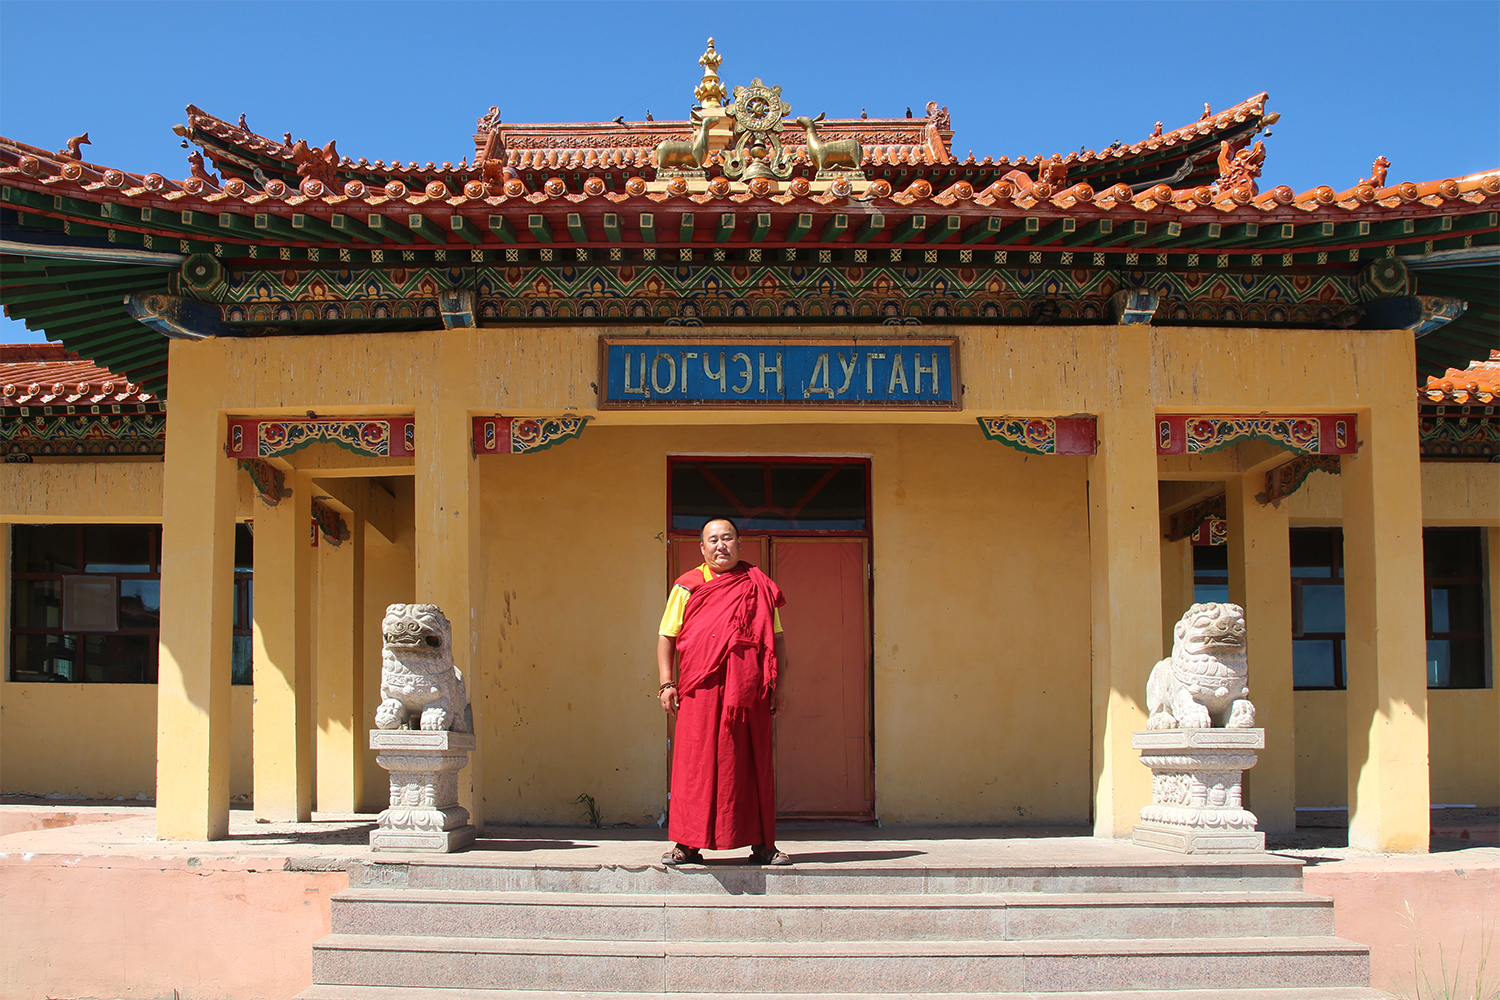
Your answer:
<point x="680" y="855"/>
<point x="760" y="855"/>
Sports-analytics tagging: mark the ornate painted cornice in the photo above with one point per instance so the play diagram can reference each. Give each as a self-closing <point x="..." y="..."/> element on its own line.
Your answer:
<point x="374" y="437"/>
<point x="1043" y="435"/>
<point x="523" y="435"/>
<point x="1313" y="434"/>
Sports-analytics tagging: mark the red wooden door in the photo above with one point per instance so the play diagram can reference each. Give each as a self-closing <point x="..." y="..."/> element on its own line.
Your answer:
<point x="824" y="766"/>
<point x="824" y="763"/>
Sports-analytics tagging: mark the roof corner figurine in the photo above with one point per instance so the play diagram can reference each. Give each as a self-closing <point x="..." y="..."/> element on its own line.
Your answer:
<point x="1238" y="170"/>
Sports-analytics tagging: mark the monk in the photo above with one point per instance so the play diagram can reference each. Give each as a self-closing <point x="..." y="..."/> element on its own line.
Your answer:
<point x="722" y="619"/>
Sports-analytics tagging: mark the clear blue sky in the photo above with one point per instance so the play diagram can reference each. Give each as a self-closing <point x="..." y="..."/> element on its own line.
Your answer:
<point x="1416" y="82"/>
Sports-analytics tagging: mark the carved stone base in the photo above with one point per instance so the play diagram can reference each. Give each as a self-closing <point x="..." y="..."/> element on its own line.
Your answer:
<point x="424" y="815"/>
<point x="1196" y="803"/>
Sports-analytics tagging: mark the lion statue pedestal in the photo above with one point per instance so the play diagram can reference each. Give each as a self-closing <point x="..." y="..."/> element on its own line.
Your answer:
<point x="424" y="734"/>
<point x="1200" y="739"/>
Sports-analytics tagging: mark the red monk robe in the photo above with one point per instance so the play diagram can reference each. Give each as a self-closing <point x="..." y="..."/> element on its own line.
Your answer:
<point x="723" y="780"/>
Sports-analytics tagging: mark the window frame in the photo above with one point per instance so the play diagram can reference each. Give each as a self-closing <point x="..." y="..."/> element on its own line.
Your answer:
<point x="19" y="579"/>
<point x="243" y="610"/>
<point x="1299" y="633"/>
<point x="1479" y="580"/>
<point x="862" y="461"/>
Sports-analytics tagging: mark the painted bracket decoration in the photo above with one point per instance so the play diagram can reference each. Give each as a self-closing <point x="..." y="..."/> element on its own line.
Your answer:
<point x="522" y="435"/>
<point x="1213" y="531"/>
<point x="269" y="481"/>
<point x="1284" y="480"/>
<point x="1186" y="522"/>
<point x="375" y="437"/>
<point x="177" y="318"/>
<point x="1043" y="435"/>
<point x="1134" y="306"/>
<point x="1316" y="434"/>
<point x="329" y="523"/>
<point x="1421" y="314"/>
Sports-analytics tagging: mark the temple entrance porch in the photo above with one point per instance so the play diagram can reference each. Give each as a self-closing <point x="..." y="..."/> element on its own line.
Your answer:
<point x="1007" y="687"/>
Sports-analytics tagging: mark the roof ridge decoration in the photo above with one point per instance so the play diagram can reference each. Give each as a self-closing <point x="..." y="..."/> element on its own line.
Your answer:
<point x="757" y="111"/>
<point x="710" y="90"/>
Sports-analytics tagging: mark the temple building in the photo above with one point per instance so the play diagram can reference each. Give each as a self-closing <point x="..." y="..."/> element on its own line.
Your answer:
<point x="992" y="425"/>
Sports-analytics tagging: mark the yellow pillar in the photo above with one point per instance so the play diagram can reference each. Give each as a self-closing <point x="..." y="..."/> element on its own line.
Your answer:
<point x="1385" y="630"/>
<point x="1176" y="585"/>
<point x="1260" y="572"/>
<point x="1125" y="581"/>
<point x="342" y="722"/>
<point x="197" y="612"/>
<point x="282" y="716"/>
<point x="447" y="537"/>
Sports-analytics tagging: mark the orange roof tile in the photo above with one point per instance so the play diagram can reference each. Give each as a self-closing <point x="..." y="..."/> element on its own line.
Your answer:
<point x="51" y="375"/>
<point x="1478" y="383"/>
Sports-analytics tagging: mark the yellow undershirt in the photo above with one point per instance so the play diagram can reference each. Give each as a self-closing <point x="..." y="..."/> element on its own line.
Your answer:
<point x="671" y="619"/>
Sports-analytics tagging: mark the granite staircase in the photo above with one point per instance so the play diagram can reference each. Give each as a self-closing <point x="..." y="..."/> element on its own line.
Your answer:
<point x="457" y="928"/>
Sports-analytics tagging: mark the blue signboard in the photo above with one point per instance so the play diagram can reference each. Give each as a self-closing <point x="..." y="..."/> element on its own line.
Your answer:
<point x="901" y="372"/>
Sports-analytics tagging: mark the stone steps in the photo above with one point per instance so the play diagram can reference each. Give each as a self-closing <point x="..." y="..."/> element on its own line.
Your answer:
<point x="471" y="927"/>
<point x="871" y="967"/>
<point x="1262" y="873"/>
<point x="905" y="917"/>
<point x="431" y="993"/>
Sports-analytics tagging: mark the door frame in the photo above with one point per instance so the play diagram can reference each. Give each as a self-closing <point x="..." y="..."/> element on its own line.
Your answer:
<point x="783" y="458"/>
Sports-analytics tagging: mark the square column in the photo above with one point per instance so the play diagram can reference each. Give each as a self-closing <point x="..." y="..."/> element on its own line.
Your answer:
<point x="1386" y="632"/>
<point x="1125" y="580"/>
<point x="342" y="720"/>
<point x="197" y="613"/>
<point x="283" y="716"/>
<point x="448" y="553"/>
<point x="1176" y="586"/>
<point x="1260" y="573"/>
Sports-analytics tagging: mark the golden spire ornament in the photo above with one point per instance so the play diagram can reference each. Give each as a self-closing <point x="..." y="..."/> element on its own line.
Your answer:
<point x="710" y="91"/>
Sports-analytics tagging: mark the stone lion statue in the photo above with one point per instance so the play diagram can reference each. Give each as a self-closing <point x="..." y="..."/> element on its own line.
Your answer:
<point x="420" y="688"/>
<point x="1202" y="685"/>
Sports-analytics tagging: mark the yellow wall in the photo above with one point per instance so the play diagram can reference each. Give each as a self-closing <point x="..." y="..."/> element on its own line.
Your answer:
<point x="980" y="617"/>
<point x="96" y="740"/>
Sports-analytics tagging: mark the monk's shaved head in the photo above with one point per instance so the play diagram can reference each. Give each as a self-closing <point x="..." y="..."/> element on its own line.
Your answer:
<point x="703" y="533"/>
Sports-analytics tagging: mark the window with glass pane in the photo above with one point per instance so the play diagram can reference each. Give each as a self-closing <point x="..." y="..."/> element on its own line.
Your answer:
<point x="794" y="496"/>
<point x="1317" y="607"/>
<point x="1210" y="574"/>
<point x="1456" y="626"/>
<point x="60" y="631"/>
<point x="241" y="664"/>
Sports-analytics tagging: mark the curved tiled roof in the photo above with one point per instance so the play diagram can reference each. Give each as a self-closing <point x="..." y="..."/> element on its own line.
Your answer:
<point x="618" y="145"/>
<point x="1478" y="383"/>
<point x="51" y="375"/>
<point x="32" y="167"/>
